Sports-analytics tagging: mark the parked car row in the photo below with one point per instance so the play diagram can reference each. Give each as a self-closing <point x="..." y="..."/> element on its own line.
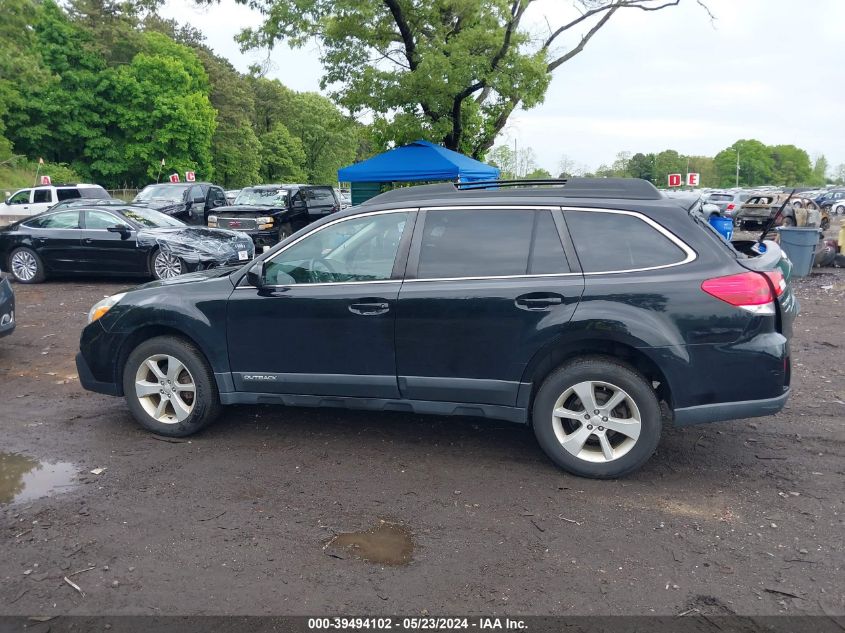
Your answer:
<point x="167" y="230"/>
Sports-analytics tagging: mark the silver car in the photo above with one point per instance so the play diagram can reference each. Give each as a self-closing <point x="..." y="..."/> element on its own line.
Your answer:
<point x="728" y="201"/>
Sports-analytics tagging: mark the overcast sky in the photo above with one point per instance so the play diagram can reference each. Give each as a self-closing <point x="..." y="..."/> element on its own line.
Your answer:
<point x="765" y="69"/>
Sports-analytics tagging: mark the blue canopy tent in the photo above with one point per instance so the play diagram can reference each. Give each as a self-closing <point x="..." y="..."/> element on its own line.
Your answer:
<point x="419" y="161"/>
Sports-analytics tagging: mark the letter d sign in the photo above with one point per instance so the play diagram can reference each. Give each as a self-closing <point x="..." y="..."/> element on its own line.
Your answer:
<point x="674" y="180"/>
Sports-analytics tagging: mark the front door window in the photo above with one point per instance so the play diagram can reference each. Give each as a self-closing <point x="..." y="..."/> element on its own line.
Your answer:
<point x="355" y="250"/>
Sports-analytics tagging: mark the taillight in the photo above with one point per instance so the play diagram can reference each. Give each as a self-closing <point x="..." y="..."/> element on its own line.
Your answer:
<point x="777" y="281"/>
<point x="749" y="291"/>
<point x="731" y="206"/>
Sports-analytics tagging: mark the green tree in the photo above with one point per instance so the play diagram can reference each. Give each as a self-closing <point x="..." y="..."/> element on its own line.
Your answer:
<point x="450" y="72"/>
<point x="282" y="156"/>
<point x="668" y="162"/>
<point x="159" y="108"/>
<point x="235" y="148"/>
<point x="642" y="166"/>
<point x="503" y="157"/>
<point x="791" y="165"/>
<point x="756" y="165"/>
<point x="819" y="176"/>
<point x="538" y="174"/>
<point x="705" y="167"/>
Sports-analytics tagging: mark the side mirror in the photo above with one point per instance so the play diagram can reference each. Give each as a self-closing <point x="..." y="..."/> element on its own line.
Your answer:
<point x="255" y="275"/>
<point x="123" y="230"/>
<point x="7" y="200"/>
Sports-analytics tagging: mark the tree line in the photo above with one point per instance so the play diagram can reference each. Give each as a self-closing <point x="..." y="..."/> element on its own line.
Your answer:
<point x="746" y="163"/>
<point x="106" y="90"/>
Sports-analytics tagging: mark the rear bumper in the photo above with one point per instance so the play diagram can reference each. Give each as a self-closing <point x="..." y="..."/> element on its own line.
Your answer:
<point x="87" y="380"/>
<point x="721" y="411"/>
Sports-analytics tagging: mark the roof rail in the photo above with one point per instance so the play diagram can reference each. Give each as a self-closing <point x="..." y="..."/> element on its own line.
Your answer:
<point x="612" y="188"/>
<point x="491" y="184"/>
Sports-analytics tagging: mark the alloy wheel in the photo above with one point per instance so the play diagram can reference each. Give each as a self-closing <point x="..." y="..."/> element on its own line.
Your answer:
<point x="24" y="266"/>
<point x="167" y="265"/>
<point x="165" y="389"/>
<point x="596" y="421"/>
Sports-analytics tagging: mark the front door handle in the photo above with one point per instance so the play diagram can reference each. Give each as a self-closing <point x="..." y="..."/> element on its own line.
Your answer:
<point x="87" y="240"/>
<point x="538" y="301"/>
<point x="369" y="307"/>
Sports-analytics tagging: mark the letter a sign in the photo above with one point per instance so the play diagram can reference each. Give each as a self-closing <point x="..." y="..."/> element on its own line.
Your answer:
<point x="174" y="177"/>
<point x="674" y="180"/>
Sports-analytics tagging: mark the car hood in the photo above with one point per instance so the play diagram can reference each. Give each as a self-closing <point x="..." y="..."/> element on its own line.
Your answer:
<point x="189" y="240"/>
<point x="191" y="278"/>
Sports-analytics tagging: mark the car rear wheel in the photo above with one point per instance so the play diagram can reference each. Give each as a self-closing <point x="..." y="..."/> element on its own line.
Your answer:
<point x="166" y="265"/>
<point x="598" y="418"/>
<point x="170" y="387"/>
<point x="26" y="266"/>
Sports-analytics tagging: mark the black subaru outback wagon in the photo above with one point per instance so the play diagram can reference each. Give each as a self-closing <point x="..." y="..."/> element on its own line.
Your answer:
<point x="576" y="308"/>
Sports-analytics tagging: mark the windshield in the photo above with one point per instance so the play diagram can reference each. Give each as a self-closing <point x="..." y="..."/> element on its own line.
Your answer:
<point x="720" y="197"/>
<point x="170" y="193"/>
<point x="149" y="218"/>
<point x="263" y="197"/>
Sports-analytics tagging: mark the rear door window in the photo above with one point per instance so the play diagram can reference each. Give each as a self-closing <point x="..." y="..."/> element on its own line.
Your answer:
<point x="318" y="198"/>
<point x="42" y="195"/>
<point x="488" y="243"/>
<point x="609" y="241"/>
<point x="60" y="220"/>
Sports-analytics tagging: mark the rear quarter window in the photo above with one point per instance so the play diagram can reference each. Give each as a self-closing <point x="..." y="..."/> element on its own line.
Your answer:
<point x="612" y="242"/>
<point x="68" y="194"/>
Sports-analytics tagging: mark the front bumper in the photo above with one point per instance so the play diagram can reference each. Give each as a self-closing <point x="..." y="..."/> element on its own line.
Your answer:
<point x="87" y="380"/>
<point x="9" y="326"/>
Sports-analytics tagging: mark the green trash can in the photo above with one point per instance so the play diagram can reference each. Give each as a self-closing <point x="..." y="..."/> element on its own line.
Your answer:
<point x="799" y="244"/>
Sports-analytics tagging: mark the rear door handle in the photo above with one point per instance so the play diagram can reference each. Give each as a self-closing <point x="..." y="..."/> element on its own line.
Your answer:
<point x="87" y="240"/>
<point x="538" y="301"/>
<point x="369" y="307"/>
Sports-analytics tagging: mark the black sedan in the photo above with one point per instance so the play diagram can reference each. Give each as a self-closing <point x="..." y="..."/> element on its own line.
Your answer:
<point x="118" y="241"/>
<point x="7" y="307"/>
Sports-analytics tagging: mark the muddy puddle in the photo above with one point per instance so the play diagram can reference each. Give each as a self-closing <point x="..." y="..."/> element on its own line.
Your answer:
<point x="23" y="478"/>
<point x="385" y="544"/>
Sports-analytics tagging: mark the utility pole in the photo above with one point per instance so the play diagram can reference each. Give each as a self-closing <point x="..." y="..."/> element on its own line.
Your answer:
<point x="737" y="168"/>
<point x="515" y="161"/>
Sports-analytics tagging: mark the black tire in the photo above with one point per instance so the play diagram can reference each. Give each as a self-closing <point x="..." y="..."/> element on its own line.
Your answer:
<point x="205" y="402"/>
<point x="638" y="391"/>
<point x="31" y="256"/>
<point x="155" y="273"/>
<point x="285" y="231"/>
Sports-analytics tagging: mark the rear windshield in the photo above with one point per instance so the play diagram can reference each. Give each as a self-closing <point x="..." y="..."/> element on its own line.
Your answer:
<point x="720" y="197"/>
<point x="163" y="192"/>
<point x="94" y="192"/>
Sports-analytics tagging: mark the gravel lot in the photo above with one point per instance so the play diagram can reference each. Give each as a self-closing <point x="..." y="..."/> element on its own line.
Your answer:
<point x="739" y="517"/>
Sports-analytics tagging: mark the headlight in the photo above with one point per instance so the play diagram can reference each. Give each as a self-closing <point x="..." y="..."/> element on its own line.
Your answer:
<point x="212" y="220"/>
<point x="101" y="307"/>
<point x="264" y="222"/>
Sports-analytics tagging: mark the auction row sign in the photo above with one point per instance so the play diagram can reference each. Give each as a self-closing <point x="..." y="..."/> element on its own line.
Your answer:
<point x="189" y="177"/>
<point x="693" y="180"/>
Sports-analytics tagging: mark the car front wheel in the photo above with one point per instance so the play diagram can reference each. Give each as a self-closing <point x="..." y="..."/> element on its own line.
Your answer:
<point x="26" y="266"/>
<point x="598" y="418"/>
<point x="169" y="387"/>
<point x="166" y="265"/>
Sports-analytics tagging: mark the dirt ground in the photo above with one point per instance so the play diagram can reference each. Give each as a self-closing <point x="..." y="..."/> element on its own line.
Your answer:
<point x="465" y="516"/>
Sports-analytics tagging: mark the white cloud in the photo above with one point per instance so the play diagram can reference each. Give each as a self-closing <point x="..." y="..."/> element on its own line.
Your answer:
<point x="766" y="69"/>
